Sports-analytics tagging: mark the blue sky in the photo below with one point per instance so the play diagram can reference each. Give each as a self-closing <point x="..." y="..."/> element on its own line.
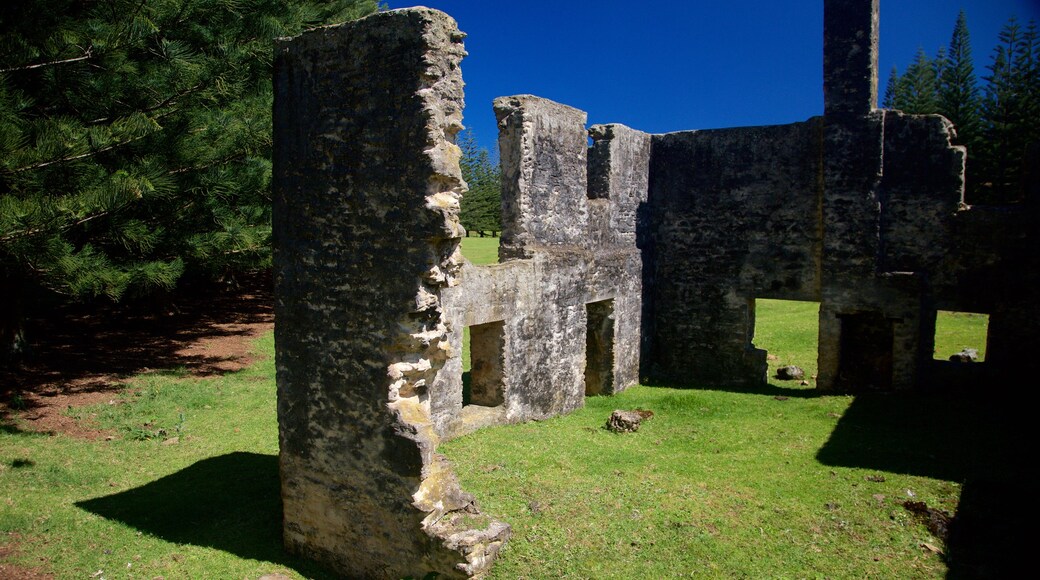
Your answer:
<point x="674" y="65"/>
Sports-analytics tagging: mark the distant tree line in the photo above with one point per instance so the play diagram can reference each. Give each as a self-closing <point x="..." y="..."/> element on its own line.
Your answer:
<point x="481" y="205"/>
<point x="997" y="123"/>
<point x="135" y="144"/>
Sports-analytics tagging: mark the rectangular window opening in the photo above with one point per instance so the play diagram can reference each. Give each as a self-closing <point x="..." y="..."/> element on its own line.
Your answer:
<point x="483" y="364"/>
<point x="789" y="331"/>
<point x="959" y="336"/>
<point x="599" y="348"/>
<point x="598" y="169"/>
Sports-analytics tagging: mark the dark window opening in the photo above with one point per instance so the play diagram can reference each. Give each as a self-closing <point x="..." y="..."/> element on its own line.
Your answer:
<point x="484" y="383"/>
<point x="599" y="348"/>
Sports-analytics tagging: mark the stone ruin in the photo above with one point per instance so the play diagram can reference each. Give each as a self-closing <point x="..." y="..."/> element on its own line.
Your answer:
<point x="638" y="257"/>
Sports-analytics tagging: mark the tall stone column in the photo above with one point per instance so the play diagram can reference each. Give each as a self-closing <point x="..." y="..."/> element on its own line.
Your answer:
<point x="366" y="234"/>
<point x="850" y="56"/>
<point x="852" y="167"/>
<point x="853" y="141"/>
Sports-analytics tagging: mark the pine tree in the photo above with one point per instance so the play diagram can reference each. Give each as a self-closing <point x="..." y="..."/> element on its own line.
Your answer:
<point x="481" y="205"/>
<point x="1027" y="67"/>
<point x="918" y="89"/>
<point x="959" y="98"/>
<point x="1009" y="114"/>
<point x="891" y="90"/>
<point x="135" y="140"/>
<point x="998" y="126"/>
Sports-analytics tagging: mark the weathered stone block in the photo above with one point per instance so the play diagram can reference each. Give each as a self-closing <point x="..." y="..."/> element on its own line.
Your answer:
<point x="619" y="171"/>
<point x="734" y="215"/>
<point x="922" y="188"/>
<point x="544" y="193"/>
<point x="850" y="56"/>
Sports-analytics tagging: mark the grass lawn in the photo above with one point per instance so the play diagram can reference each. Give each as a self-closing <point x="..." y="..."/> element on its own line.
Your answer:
<point x="775" y="482"/>
<point x="187" y="488"/>
<point x="480" y="250"/>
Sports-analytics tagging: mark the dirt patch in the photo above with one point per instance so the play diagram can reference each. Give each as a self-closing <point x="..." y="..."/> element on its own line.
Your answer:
<point x="83" y="356"/>
<point x="8" y="548"/>
<point x="12" y="572"/>
<point x="937" y="521"/>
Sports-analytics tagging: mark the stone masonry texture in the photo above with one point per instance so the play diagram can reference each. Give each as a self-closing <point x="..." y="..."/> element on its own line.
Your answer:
<point x="367" y="187"/>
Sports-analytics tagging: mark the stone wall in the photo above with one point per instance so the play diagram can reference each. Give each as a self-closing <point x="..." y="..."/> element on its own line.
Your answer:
<point x="861" y="210"/>
<point x="734" y="215"/>
<point x="367" y="187"/>
<point x="373" y="296"/>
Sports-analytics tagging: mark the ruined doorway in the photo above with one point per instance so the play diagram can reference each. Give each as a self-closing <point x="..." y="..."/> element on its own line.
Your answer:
<point x="789" y="332"/>
<point x="865" y="362"/>
<point x="599" y="348"/>
<point x="958" y="331"/>
<point x="484" y="383"/>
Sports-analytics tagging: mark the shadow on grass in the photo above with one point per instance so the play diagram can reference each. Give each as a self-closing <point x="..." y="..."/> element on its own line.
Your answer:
<point x="766" y="389"/>
<point x="231" y="502"/>
<point x="79" y="348"/>
<point x="973" y="439"/>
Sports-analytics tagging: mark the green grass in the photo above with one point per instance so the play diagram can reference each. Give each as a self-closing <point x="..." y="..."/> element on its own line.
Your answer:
<point x="188" y="488"/>
<point x="480" y="251"/>
<point x="955" y="331"/>
<point x="789" y="330"/>
<point x="774" y="482"/>
<point x="716" y="484"/>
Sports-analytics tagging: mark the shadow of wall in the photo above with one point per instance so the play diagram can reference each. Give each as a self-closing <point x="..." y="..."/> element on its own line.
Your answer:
<point x="231" y="503"/>
<point x="972" y="440"/>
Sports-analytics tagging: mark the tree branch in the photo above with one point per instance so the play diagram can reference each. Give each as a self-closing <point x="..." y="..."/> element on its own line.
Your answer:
<point x="214" y="163"/>
<point x="80" y="156"/>
<point x="28" y="233"/>
<point x="171" y="100"/>
<point x="87" y="54"/>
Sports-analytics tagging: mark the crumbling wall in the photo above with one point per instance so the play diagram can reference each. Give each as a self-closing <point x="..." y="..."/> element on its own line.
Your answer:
<point x="563" y="255"/>
<point x="734" y="216"/>
<point x="619" y="174"/>
<point x="861" y="210"/>
<point x="994" y="255"/>
<point x="366" y="228"/>
<point x="893" y="184"/>
<point x="373" y="296"/>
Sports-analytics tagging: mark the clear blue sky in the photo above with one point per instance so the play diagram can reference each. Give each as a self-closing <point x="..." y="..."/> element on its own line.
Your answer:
<point x="669" y="65"/>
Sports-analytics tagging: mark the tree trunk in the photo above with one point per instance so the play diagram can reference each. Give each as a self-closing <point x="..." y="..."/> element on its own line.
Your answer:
<point x="13" y="345"/>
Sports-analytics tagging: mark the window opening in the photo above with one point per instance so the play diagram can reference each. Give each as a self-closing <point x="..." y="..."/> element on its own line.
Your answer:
<point x="483" y="383"/>
<point x="959" y="334"/>
<point x="789" y="330"/>
<point x="599" y="348"/>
